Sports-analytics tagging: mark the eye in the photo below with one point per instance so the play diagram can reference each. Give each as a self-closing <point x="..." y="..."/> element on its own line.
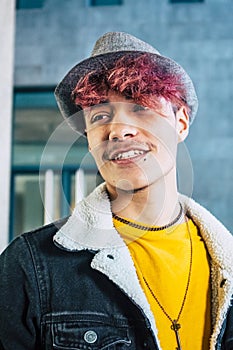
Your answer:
<point x="139" y="108"/>
<point x="100" y="117"/>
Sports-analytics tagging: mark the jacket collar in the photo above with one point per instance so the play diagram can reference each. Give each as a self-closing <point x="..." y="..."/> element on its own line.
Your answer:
<point x="90" y="227"/>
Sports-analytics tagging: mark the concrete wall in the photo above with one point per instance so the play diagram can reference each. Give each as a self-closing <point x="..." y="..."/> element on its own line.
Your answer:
<point x="199" y="36"/>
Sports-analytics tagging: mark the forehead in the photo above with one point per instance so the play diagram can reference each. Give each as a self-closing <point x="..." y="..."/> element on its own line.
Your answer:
<point x="113" y="99"/>
<point x="117" y="97"/>
<point x="118" y="100"/>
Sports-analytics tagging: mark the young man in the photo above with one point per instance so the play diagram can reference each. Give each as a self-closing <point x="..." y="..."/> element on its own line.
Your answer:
<point x="137" y="265"/>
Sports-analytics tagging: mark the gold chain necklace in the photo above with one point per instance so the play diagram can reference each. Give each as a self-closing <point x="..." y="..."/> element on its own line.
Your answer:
<point x="147" y="228"/>
<point x="175" y="325"/>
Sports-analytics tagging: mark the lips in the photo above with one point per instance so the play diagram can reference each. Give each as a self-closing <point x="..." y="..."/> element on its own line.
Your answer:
<point x="129" y="154"/>
<point x="125" y="151"/>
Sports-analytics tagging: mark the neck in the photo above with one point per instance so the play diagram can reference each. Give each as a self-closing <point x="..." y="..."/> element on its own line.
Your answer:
<point x="156" y="204"/>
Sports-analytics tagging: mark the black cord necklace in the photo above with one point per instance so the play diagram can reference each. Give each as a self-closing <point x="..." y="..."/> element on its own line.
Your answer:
<point x="148" y="228"/>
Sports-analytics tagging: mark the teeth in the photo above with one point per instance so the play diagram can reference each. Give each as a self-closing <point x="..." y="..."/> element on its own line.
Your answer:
<point x="129" y="154"/>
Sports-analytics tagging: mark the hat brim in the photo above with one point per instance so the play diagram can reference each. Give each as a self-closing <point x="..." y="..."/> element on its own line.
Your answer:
<point x="63" y="91"/>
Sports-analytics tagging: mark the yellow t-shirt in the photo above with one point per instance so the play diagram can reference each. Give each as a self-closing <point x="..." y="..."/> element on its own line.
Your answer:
<point x="163" y="258"/>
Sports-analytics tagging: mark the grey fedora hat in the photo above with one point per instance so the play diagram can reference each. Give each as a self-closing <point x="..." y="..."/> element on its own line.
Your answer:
<point x="107" y="50"/>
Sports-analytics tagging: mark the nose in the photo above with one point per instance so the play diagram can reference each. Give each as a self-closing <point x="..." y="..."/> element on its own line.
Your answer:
<point x="119" y="131"/>
<point x="122" y="128"/>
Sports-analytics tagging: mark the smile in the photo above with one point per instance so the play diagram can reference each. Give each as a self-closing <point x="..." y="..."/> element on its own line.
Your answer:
<point x="125" y="151"/>
<point x="128" y="154"/>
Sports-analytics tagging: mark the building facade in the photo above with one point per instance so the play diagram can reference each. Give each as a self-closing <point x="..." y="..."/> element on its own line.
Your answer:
<point x="53" y="35"/>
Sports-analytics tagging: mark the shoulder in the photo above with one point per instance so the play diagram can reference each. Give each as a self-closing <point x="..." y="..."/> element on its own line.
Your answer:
<point x="202" y="217"/>
<point x="218" y="239"/>
<point x="44" y="232"/>
<point x="23" y="244"/>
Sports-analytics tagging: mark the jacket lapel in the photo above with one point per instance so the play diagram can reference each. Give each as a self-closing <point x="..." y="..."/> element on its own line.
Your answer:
<point x="90" y="227"/>
<point x="219" y="243"/>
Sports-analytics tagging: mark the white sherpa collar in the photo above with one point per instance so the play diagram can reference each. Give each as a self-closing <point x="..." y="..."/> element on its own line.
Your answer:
<point x="90" y="227"/>
<point x="218" y="239"/>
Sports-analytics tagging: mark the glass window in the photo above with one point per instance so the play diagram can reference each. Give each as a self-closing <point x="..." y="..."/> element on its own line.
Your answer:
<point x="29" y="4"/>
<point x="28" y="205"/>
<point x="46" y="156"/>
<point x="185" y="1"/>
<point x="105" y="2"/>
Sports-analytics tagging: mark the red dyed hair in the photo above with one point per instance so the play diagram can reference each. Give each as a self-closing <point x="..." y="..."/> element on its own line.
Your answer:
<point x="140" y="79"/>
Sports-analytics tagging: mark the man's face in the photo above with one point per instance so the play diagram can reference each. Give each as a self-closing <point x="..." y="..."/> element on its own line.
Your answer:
<point x="134" y="147"/>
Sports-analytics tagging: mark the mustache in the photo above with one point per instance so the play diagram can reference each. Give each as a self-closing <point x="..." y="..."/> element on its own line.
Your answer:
<point x="114" y="147"/>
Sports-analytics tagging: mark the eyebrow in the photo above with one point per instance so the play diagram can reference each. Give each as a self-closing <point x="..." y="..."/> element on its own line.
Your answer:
<point x="95" y="107"/>
<point x="99" y="104"/>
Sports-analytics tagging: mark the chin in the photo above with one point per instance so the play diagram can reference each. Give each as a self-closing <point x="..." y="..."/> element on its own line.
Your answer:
<point x="130" y="186"/>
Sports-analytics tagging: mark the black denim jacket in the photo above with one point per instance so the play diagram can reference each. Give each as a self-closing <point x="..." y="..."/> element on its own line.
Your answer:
<point x="51" y="298"/>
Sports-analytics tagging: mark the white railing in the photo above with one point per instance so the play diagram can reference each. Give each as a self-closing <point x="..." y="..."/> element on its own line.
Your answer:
<point x="49" y="192"/>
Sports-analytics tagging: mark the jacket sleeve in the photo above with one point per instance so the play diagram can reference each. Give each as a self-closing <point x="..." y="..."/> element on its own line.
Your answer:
<point x="228" y="334"/>
<point x="19" y="299"/>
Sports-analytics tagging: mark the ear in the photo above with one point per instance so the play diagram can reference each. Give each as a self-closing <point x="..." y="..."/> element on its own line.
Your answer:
<point x="182" y="123"/>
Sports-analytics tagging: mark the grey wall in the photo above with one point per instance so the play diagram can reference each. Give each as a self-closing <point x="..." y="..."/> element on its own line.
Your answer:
<point x="199" y="36"/>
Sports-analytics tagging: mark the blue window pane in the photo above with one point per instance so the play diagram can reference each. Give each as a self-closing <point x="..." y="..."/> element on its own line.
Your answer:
<point x="185" y="1"/>
<point x="29" y="4"/>
<point x="105" y="2"/>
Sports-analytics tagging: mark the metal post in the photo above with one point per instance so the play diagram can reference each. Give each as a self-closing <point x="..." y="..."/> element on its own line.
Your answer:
<point x="80" y="185"/>
<point x="49" y="197"/>
<point x="65" y="193"/>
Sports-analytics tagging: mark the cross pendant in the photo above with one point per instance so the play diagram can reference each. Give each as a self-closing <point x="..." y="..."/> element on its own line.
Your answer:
<point x="175" y="327"/>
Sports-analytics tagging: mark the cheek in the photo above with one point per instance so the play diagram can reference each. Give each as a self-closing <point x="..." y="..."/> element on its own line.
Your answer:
<point x="165" y="135"/>
<point x="169" y="142"/>
<point x="167" y="151"/>
<point x="96" y="147"/>
<point x="94" y="140"/>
